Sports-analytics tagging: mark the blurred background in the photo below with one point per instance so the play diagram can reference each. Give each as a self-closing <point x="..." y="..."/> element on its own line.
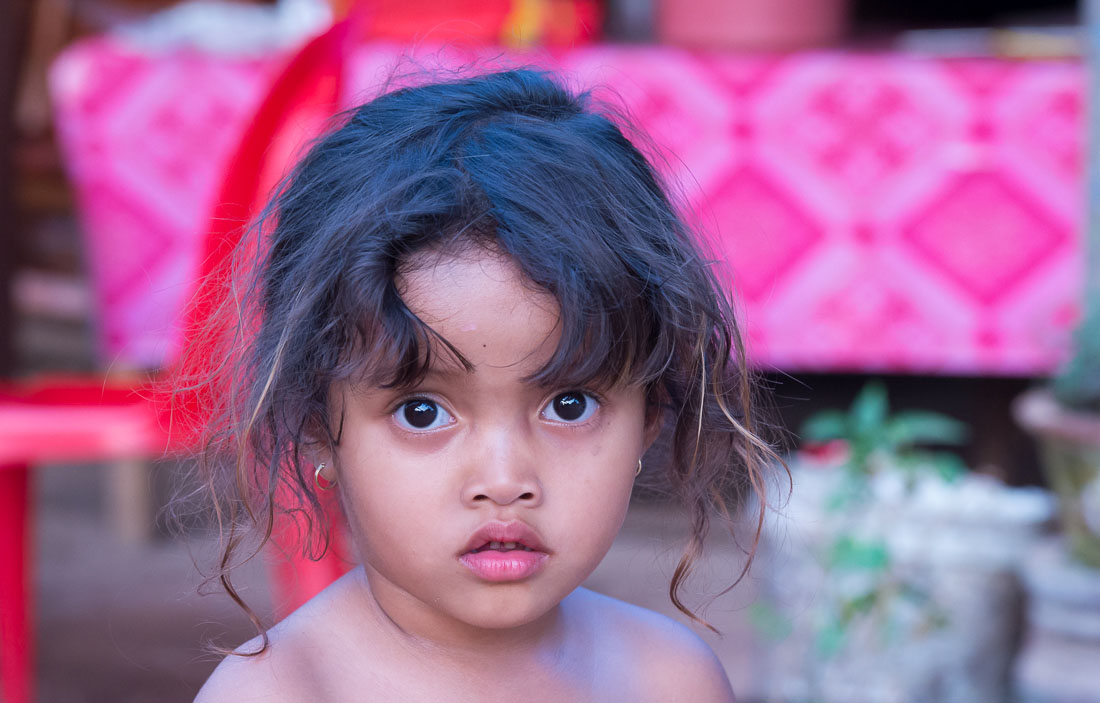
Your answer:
<point x="900" y="191"/>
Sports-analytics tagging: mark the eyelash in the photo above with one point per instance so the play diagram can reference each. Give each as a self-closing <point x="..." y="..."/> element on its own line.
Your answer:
<point x="576" y="423"/>
<point x="397" y="413"/>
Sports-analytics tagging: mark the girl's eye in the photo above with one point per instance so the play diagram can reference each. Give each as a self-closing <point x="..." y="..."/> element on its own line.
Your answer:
<point x="421" y="414"/>
<point x="571" y="407"/>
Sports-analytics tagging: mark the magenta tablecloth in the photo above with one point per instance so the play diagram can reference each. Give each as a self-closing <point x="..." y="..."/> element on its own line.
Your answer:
<point x="879" y="212"/>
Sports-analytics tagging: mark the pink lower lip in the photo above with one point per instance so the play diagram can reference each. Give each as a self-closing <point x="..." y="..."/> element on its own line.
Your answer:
<point x="492" y="565"/>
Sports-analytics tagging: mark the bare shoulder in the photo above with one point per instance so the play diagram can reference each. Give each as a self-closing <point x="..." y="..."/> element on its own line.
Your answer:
<point x="286" y="670"/>
<point x="275" y="675"/>
<point x="308" y="658"/>
<point x="672" y="662"/>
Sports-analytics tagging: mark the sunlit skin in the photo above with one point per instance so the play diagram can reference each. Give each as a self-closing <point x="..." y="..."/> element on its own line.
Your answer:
<point x="421" y="470"/>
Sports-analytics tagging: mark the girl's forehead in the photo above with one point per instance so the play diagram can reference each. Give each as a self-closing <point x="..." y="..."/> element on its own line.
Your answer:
<point x="482" y="303"/>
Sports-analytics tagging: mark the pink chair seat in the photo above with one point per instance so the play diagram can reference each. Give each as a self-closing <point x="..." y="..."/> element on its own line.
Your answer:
<point x="59" y="419"/>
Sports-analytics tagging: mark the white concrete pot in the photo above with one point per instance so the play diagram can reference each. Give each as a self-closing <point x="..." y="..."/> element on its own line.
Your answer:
<point x="959" y="543"/>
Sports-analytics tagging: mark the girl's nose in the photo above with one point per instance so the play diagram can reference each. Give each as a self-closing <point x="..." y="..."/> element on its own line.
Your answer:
<point x="503" y="472"/>
<point x="504" y="492"/>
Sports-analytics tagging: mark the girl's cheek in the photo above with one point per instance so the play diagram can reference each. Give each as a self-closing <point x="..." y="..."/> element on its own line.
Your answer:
<point x="402" y="439"/>
<point x="417" y="444"/>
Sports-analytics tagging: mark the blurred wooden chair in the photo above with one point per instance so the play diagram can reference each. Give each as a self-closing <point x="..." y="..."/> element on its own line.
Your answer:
<point x="68" y="419"/>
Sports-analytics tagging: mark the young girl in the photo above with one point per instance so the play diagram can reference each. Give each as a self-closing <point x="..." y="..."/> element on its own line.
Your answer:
<point x="476" y="311"/>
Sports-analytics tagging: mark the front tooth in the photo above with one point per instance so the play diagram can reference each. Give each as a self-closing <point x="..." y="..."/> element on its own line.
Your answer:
<point x="509" y="545"/>
<point x="494" y="545"/>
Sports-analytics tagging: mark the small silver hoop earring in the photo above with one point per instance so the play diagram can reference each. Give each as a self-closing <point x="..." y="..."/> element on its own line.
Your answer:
<point x="639" y="471"/>
<point x="322" y="483"/>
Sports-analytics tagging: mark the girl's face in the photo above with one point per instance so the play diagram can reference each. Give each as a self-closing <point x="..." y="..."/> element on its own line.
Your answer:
<point x="438" y="482"/>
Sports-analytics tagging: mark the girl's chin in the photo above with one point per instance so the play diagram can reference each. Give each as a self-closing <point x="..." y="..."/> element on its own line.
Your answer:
<point x="498" y="614"/>
<point x="468" y="603"/>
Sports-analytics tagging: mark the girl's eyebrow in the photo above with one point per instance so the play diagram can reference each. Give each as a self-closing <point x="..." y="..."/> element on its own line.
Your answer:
<point x="448" y="372"/>
<point x="454" y="373"/>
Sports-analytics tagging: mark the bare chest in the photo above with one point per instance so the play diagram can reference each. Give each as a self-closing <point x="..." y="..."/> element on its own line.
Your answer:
<point x="397" y="679"/>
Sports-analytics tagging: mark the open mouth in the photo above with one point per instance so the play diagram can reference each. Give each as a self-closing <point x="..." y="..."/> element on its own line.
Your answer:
<point x="502" y="547"/>
<point x="504" y="551"/>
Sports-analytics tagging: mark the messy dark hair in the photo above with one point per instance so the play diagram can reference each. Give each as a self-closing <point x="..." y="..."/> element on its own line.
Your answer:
<point x="516" y="163"/>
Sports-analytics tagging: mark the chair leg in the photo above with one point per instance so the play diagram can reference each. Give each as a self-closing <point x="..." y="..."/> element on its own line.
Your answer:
<point x="16" y="634"/>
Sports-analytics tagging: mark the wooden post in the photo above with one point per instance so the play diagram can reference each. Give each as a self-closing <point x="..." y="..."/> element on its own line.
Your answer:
<point x="13" y="30"/>
<point x="130" y="499"/>
<point x="16" y="619"/>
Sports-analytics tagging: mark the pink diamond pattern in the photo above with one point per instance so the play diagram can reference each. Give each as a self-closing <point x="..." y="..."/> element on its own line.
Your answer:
<point x="1053" y="132"/>
<point x="686" y="120"/>
<point x="145" y="139"/>
<point x="873" y="315"/>
<point x="985" y="235"/>
<point x="764" y="231"/>
<point x="858" y="130"/>
<point x="820" y="172"/>
<point x="980" y="78"/>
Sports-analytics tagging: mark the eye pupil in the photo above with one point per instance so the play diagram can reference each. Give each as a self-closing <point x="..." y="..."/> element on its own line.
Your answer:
<point x="420" y="413"/>
<point x="570" y="406"/>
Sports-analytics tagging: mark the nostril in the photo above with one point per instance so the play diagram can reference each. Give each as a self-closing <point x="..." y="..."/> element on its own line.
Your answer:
<point x="504" y="498"/>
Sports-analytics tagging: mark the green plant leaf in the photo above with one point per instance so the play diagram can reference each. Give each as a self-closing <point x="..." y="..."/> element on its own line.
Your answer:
<point x="839" y="500"/>
<point x="1077" y="384"/>
<point x="949" y="466"/>
<point x="830" y="639"/>
<point x="825" y="426"/>
<point x="934" y="619"/>
<point x="858" y="555"/>
<point x="851" y="491"/>
<point x="859" y="605"/>
<point x="859" y="455"/>
<point x="869" y="410"/>
<point x="914" y="593"/>
<point x="917" y="427"/>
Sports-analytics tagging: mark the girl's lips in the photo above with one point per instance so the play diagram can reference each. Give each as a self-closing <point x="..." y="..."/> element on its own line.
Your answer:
<point x="496" y="566"/>
<point x="504" y="532"/>
<point x="519" y="552"/>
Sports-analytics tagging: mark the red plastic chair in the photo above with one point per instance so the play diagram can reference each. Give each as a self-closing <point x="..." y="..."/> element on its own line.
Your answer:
<point x="57" y="419"/>
<point x="52" y="420"/>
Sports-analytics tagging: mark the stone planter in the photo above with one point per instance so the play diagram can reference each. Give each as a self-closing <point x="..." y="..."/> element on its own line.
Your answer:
<point x="955" y="545"/>
<point x="1060" y="661"/>
<point x="1069" y="443"/>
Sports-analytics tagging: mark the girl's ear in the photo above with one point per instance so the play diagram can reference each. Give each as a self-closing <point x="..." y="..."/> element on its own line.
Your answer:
<point x="654" y="420"/>
<point x="321" y="434"/>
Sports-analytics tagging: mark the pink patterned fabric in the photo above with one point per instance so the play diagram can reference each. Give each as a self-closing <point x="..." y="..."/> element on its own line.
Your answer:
<point x="877" y="212"/>
<point x="145" y="140"/>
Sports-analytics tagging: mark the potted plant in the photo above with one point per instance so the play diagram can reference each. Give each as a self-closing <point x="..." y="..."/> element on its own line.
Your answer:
<point x="1065" y="419"/>
<point x="1062" y="577"/>
<point x="892" y="566"/>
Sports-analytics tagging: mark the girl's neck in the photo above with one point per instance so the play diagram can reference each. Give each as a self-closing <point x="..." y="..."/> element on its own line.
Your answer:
<point x="539" y="642"/>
